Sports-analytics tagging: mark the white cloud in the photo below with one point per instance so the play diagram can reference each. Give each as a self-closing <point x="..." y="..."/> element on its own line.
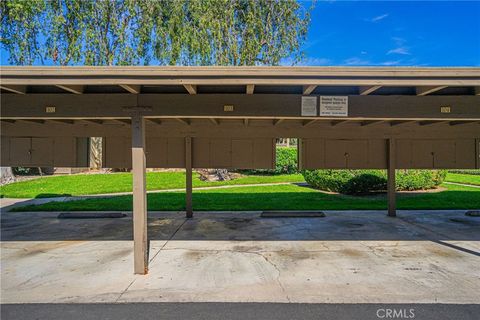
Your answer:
<point x="378" y="18"/>
<point x="399" y="50"/>
<point x="356" y="61"/>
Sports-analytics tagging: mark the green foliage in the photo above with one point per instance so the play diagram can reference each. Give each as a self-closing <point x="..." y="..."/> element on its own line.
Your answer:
<point x="170" y="32"/>
<point x="475" y="172"/>
<point x="286" y="163"/>
<point x="365" y="181"/>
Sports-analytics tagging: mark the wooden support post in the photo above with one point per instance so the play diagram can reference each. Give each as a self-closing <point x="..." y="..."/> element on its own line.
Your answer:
<point x="391" y="156"/>
<point x="188" y="180"/>
<point x="140" y="245"/>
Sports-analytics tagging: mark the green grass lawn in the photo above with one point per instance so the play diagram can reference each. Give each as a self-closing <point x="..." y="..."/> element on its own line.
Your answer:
<point x="288" y="197"/>
<point x="85" y="184"/>
<point x="463" y="178"/>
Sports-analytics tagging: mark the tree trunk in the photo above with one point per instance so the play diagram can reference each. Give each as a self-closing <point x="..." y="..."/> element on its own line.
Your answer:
<point x="6" y="175"/>
<point x="95" y="152"/>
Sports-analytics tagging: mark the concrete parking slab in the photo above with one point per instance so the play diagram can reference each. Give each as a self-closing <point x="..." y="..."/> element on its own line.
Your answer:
<point x="346" y="257"/>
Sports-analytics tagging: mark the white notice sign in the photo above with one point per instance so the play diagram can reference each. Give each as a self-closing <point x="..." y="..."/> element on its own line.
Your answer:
<point x="309" y="106"/>
<point x="334" y="106"/>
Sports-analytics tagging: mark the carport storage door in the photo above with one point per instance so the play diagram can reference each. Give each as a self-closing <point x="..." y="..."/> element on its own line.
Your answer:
<point x="343" y="154"/>
<point x="436" y="154"/>
<point x="20" y="151"/>
<point x="235" y="153"/>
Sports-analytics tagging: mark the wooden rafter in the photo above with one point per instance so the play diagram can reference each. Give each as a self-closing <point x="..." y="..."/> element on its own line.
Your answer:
<point x="65" y="121"/>
<point x="371" y="122"/>
<point x="425" y="90"/>
<point x="191" y="88"/>
<point x="245" y="122"/>
<point x="401" y="122"/>
<point x="135" y="89"/>
<point x="308" y="89"/>
<point x="76" y="89"/>
<point x="154" y="120"/>
<point x="214" y="121"/>
<point x="183" y="121"/>
<point x="277" y="121"/>
<point x="15" y="89"/>
<point x="250" y="88"/>
<point x="366" y="90"/>
<point x="458" y="123"/>
<point x="429" y="123"/>
<point x="337" y="122"/>
<point x="307" y="123"/>
<point x="94" y="121"/>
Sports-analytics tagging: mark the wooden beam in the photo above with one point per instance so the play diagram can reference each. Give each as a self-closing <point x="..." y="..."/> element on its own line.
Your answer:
<point x="307" y="123"/>
<point x="214" y="121"/>
<point x="366" y="90"/>
<point x="477" y="91"/>
<point x="425" y="90"/>
<point x="183" y="121"/>
<point x="131" y="88"/>
<point x="154" y="120"/>
<point x="188" y="180"/>
<point x="250" y="88"/>
<point x="72" y="89"/>
<point x="391" y="192"/>
<point x="277" y="121"/>
<point x="8" y="120"/>
<point x="112" y="106"/>
<point x="369" y="123"/>
<point x="140" y="245"/>
<point x="308" y="89"/>
<point x="245" y="122"/>
<point x="14" y="89"/>
<point x="192" y="89"/>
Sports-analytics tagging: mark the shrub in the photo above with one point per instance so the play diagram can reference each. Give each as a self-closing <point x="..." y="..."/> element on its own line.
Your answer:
<point x="286" y="162"/>
<point x="474" y="172"/>
<point x="365" y="181"/>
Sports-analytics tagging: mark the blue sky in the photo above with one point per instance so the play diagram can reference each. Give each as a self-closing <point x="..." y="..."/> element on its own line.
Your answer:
<point x="394" y="33"/>
<point x="390" y="33"/>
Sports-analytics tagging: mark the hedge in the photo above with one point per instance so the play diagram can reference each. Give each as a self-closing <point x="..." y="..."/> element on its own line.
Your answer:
<point x="366" y="181"/>
<point x="286" y="163"/>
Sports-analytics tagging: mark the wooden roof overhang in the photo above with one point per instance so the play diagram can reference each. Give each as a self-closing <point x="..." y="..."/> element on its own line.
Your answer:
<point x="375" y="94"/>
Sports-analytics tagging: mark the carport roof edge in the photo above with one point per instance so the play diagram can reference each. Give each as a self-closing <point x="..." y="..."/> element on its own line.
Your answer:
<point x="217" y="75"/>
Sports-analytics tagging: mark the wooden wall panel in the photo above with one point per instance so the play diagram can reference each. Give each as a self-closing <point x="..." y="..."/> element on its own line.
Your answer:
<point x="44" y="151"/>
<point x="436" y="154"/>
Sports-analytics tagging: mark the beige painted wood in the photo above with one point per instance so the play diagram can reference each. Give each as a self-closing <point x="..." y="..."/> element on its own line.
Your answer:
<point x="108" y="106"/>
<point x="139" y="196"/>
<point x="192" y="89"/>
<point x="424" y="90"/>
<point x="135" y="89"/>
<point x="19" y="89"/>
<point x="391" y="192"/>
<point x="250" y="88"/>
<point x="363" y="91"/>
<point x="76" y="89"/>
<point x="188" y="179"/>
<point x="308" y="89"/>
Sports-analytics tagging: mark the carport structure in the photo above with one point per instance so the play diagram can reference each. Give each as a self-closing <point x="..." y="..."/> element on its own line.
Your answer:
<point x="229" y="117"/>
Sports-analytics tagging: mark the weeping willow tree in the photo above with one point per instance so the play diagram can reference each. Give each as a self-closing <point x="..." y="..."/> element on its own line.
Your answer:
<point x="146" y="32"/>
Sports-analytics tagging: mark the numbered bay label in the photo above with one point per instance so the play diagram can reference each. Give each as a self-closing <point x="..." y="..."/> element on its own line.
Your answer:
<point x="334" y="106"/>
